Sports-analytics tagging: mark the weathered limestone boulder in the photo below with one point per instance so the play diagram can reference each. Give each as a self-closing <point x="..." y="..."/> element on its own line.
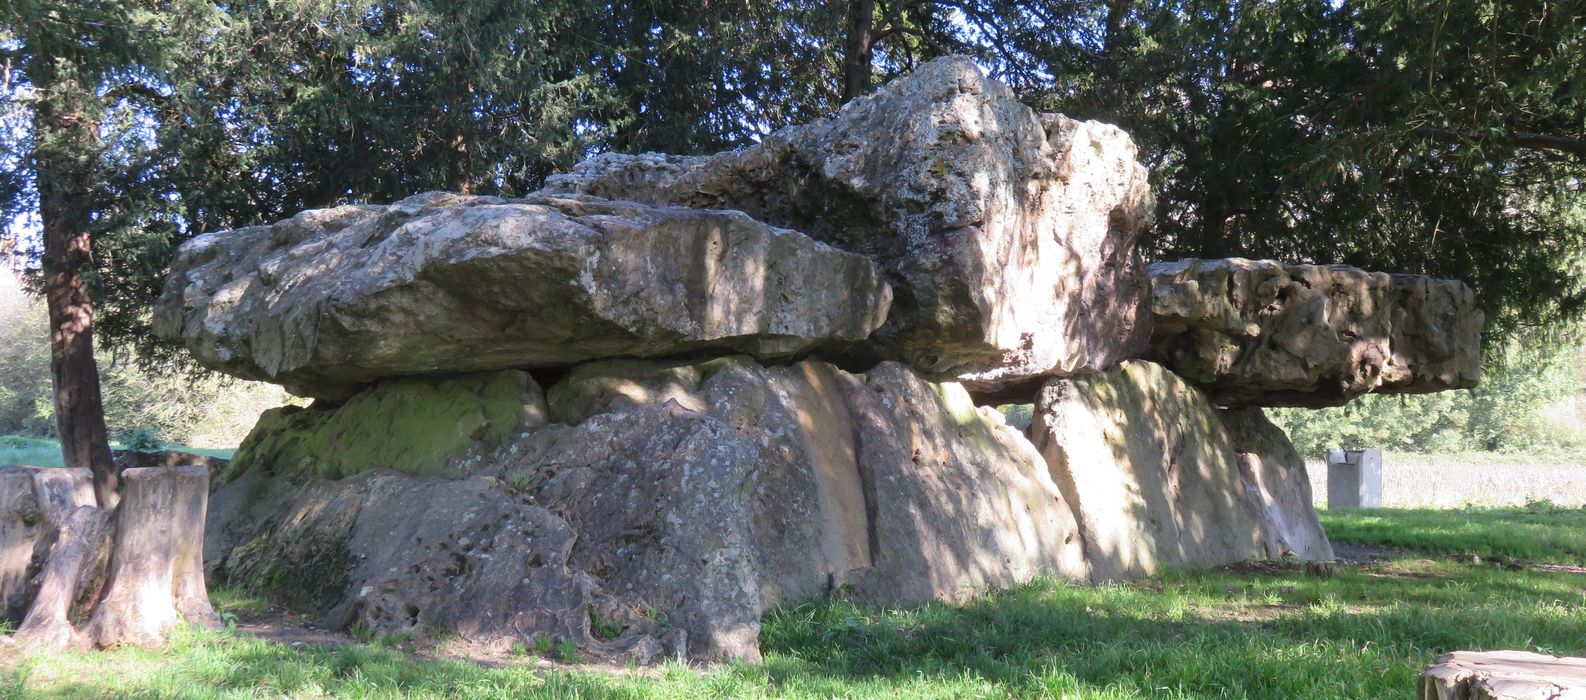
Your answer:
<point x="1502" y="675"/>
<point x="1273" y="474"/>
<point x="415" y="425"/>
<point x="890" y="488"/>
<point x="1008" y="236"/>
<point x="439" y="283"/>
<point x="1156" y="480"/>
<point x="658" y="511"/>
<point x="138" y="459"/>
<point x="1261" y="333"/>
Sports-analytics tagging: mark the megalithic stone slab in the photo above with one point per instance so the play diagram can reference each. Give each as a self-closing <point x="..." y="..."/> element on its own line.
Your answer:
<point x="666" y="507"/>
<point x="1156" y="479"/>
<point x="1262" y="333"/>
<point x="439" y="284"/>
<point x="1009" y="236"/>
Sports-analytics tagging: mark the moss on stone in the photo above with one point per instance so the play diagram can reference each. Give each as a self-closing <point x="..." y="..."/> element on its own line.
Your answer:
<point x="413" y="425"/>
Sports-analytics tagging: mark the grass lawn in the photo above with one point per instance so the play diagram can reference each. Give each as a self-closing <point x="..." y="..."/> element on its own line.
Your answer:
<point x="1538" y="532"/>
<point x="38" y="452"/>
<point x="1264" y="631"/>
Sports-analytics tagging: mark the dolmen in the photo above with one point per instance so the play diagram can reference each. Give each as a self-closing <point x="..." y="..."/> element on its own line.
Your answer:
<point x="638" y="408"/>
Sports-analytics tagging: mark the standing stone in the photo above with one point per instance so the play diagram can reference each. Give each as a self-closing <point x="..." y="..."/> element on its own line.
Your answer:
<point x="1155" y="478"/>
<point x="1261" y="333"/>
<point x="1009" y="236"/>
<point x="1274" y="475"/>
<point x="893" y="489"/>
<point x="664" y="509"/>
<point x="331" y="299"/>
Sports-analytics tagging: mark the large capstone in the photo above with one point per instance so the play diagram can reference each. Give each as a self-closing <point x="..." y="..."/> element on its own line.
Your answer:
<point x="660" y="510"/>
<point x="1009" y="236"/>
<point x="331" y="299"/>
<point x="1157" y="479"/>
<point x="1262" y="333"/>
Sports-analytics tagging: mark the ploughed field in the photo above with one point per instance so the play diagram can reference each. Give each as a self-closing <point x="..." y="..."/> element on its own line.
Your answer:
<point x="1486" y="578"/>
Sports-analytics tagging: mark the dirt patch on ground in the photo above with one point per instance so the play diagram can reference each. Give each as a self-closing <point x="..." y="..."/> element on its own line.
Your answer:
<point x="282" y="626"/>
<point x="1352" y="554"/>
<point x="1559" y="568"/>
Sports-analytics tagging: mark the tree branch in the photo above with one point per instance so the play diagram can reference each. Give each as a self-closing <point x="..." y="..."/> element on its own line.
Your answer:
<point x="1544" y="142"/>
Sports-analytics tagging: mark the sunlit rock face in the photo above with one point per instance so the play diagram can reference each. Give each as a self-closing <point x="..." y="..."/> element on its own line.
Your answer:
<point x="439" y="283"/>
<point x="1009" y="236"/>
<point x="639" y="509"/>
<point x="1262" y="333"/>
<point x="1273" y="474"/>
<point x="1156" y="479"/>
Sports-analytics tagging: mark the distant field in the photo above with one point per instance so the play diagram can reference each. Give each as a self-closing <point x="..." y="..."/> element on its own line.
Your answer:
<point x="47" y="453"/>
<point x="1450" y="481"/>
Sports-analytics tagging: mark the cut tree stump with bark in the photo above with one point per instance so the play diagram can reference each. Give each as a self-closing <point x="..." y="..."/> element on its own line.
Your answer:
<point x="34" y="504"/>
<point x="156" y="566"/>
<point x="73" y="574"/>
<point x="1503" y="675"/>
<point x="133" y="573"/>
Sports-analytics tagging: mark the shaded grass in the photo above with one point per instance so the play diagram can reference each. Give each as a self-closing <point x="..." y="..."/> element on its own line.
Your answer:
<point x="1263" y="633"/>
<point x="1539" y="532"/>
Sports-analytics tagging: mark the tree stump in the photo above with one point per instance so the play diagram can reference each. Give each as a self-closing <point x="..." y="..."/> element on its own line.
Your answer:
<point x="34" y="504"/>
<point x="71" y="579"/>
<point x="156" y="565"/>
<point x="1503" y="675"/>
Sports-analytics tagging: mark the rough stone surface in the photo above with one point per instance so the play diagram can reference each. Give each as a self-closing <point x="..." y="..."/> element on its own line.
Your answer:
<point x="415" y="425"/>
<point x="1008" y="235"/>
<point x="1155" y="478"/>
<point x="885" y="486"/>
<point x="1273" y="474"/>
<point x="663" y="511"/>
<point x="1503" y="675"/>
<point x="1261" y="333"/>
<point x="440" y="283"/>
<point x="138" y="459"/>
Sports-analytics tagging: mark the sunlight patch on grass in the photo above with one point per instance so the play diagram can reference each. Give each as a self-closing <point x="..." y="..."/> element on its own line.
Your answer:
<point x="1538" y="533"/>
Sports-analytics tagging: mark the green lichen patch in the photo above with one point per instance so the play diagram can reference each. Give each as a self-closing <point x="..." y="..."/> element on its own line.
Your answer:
<point x="414" y="425"/>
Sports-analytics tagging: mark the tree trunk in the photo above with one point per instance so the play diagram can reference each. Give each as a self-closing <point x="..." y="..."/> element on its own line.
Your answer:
<point x="1112" y="55"/>
<point x="68" y="143"/>
<point x="857" y="49"/>
<point x="156" y="568"/>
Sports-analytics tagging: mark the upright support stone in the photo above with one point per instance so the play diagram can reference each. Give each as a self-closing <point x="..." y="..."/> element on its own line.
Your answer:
<point x="1354" y="478"/>
<point x="156" y="568"/>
